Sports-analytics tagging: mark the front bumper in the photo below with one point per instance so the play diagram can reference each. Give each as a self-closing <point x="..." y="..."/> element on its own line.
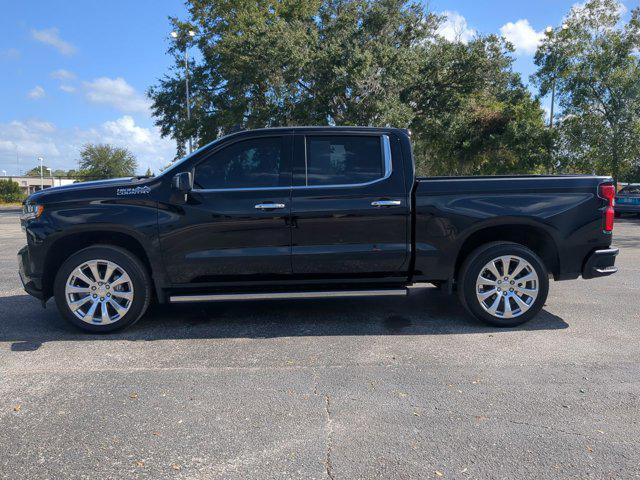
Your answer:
<point x="32" y="283"/>
<point x="600" y="263"/>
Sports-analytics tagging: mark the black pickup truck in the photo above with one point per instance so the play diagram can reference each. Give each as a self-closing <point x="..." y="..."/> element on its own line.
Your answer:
<point x="311" y="212"/>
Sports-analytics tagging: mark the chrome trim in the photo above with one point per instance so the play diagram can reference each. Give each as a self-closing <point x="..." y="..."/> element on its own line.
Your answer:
<point x="269" y="206"/>
<point x="386" y="203"/>
<point x="388" y="170"/>
<point x="607" y="270"/>
<point x="286" y="295"/>
<point x="245" y="189"/>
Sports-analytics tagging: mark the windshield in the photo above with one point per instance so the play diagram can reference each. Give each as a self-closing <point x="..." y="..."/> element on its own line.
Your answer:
<point x="630" y="190"/>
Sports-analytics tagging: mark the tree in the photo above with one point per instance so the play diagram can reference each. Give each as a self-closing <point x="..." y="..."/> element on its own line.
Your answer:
<point x="10" y="191"/>
<point x="35" y="171"/>
<point x="98" y="161"/>
<point x="593" y="63"/>
<point x="293" y="62"/>
<point x="352" y="62"/>
<point x="149" y="173"/>
<point x="473" y="115"/>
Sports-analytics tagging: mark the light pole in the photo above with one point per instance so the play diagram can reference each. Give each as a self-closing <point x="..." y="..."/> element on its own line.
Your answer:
<point x="41" y="160"/>
<point x="552" y="44"/>
<point x="191" y="34"/>
<point x="549" y="31"/>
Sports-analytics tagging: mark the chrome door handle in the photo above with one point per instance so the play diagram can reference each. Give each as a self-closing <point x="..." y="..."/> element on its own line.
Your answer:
<point x="269" y="206"/>
<point x="386" y="203"/>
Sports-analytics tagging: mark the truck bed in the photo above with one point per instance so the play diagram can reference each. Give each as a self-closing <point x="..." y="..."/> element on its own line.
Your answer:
<point x="563" y="212"/>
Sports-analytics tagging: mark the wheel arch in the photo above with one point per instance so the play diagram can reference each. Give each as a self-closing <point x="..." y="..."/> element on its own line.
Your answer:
<point x="534" y="237"/>
<point x="65" y="246"/>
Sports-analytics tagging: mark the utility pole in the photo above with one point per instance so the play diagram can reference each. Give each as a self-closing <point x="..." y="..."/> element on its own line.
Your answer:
<point x="191" y="34"/>
<point x="553" y="101"/>
<point x="552" y="46"/>
<point x="41" y="160"/>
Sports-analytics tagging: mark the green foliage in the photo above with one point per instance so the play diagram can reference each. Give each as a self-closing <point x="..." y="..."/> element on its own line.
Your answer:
<point x="353" y="62"/>
<point x="35" y="171"/>
<point x="473" y="114"/>
<point x="10" y="191"/>
<point x="595" y="66"/>
<point x="292" y="62"/>
<point x="148" y="173"/>
<point x="99" y="161"/>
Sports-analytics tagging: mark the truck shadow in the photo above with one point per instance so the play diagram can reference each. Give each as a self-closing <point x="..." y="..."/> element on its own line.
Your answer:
<point x="426" y="311"/>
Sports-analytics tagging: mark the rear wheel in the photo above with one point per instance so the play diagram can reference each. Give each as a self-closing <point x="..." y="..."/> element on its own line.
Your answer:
<point x="503" y="283"/>
<point x="102" y="289"/>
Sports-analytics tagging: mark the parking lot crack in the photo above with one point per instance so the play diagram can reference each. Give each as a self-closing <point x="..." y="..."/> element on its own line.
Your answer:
<point x="328" y="463"/>
<point x="545" y="427"/>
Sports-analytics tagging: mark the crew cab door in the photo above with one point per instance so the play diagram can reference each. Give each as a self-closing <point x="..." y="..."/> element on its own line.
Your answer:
<point x="350" y="210"/>
<point x="235" y="224"/>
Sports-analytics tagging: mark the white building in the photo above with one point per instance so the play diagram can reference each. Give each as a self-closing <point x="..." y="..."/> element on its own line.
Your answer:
<point x="28" y="185"/>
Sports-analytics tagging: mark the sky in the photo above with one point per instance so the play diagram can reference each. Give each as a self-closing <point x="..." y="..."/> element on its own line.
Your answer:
<point x="76" y="71"/>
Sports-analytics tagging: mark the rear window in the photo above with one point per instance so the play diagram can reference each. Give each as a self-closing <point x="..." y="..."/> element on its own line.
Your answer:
<point x="343" y="160"/>
<point x="630" y="190"/>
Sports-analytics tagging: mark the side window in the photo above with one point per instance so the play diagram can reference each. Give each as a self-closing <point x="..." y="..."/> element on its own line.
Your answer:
<point x="342" y="160"/>
<point x="254" y="163"/>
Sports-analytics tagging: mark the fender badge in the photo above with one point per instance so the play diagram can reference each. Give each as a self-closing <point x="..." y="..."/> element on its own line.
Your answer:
<point x="133" y="191"/>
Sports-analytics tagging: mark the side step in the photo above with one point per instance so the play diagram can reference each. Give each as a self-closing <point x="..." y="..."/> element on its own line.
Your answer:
<point x="219" y="297"/>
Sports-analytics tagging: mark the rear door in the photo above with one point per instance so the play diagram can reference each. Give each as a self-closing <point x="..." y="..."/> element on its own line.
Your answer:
<point x="350" y="210"/>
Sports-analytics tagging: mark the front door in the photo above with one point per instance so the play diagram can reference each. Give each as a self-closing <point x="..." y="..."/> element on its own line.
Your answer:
<point x="235" y="224"/>
<point x="350" y="210"/>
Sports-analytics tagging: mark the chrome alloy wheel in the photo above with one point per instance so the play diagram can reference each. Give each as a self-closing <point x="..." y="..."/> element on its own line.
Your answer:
<point x="99" y="292"/>
<point x="507" y="286"/>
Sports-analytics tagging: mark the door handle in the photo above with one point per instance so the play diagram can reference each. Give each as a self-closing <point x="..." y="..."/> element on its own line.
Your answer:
<point x="386" y="203"/>
<point x="269" y="206"/>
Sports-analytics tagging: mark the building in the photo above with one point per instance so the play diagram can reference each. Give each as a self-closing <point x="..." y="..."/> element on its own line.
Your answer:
<point x="28" y="185"/>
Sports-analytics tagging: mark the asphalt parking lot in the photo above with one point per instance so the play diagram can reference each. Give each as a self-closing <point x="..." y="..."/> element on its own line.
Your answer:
<point x="343" y="389"/>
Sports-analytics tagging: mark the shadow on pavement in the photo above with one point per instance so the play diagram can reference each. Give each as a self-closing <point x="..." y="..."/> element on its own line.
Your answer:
<point x="426" y="311"/>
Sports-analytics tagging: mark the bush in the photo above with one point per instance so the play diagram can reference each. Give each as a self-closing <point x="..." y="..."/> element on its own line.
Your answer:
<point x="10" y="192"/>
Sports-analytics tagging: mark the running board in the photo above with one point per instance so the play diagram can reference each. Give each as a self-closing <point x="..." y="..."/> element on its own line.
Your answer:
<point x="219" y="297"/>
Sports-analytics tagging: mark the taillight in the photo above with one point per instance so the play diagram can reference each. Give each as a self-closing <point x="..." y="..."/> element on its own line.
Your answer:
<point x="608" y="192"/>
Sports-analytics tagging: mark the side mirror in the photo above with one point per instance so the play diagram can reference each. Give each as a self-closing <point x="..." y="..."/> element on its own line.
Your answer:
<point x="182" y="182"/>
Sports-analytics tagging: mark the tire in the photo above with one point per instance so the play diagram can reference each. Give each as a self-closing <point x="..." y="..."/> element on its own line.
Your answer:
<point x="531" y="292"/>
<point x="124" y="295"/>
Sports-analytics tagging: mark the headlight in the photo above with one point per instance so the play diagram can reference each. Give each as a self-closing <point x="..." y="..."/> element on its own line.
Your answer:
<point x="31" y="211"/>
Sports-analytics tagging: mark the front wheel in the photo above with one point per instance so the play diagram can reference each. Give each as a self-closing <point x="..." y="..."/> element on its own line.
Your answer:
<point x="503" y="283"/>
<point x="102" y="288"/>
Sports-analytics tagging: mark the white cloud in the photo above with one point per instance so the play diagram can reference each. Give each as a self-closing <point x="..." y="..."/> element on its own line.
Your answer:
<point x="522" y="36"/>
<point x="30" y="139"/>
<point x="117" y="93"/>
<point x="60" y="147"/>
<point x="62" y="74"/>
<point x="455" y="28"/>
<point x="67" y="88"/>
<point x="36" y="92"/>
<point x="126" y="128"/>
<point x="51" y="37"/>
